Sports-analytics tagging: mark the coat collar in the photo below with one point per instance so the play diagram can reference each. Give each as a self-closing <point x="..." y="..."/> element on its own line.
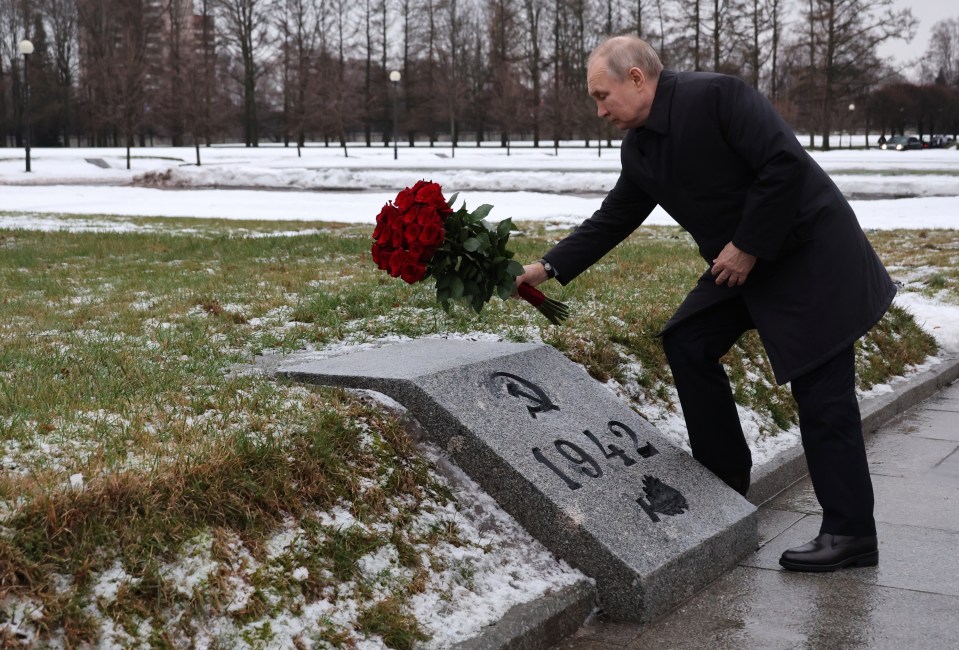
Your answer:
<point x="658" y="120"/>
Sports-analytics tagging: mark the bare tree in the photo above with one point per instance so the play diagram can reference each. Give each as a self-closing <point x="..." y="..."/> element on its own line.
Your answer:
<point x="62" y="18"/>
<point x="14" y="17"/>
<point x="844" y="35"/>
<point x="941" y="60"/>
<point x="535" y="10"/>
<point x="430" y="106"/>
<point x="775" y="10"/>
<point x="384" y="48"/>
<point x="246" y="31"/>
<point x="697" y="27"/>
<point x="452" y="57"/>
<point x="505" y="91"/>
<point x="368" y="75"/>
<point x="411" y="81"/>
<point x="170" y="72"/>
<point x="340" y="104"/>
<point x="762" y="26"/>
<point x="301" y="22"/>
<point x="114" y="38"/>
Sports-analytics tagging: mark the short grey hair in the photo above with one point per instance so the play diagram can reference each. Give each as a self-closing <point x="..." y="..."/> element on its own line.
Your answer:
<point x="624" y="52"/>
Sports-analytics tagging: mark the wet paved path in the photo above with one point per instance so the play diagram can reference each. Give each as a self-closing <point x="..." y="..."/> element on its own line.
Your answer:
<point x="910" y="601"/>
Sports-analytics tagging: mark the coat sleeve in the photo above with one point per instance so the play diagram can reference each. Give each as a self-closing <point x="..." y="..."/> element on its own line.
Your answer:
<point x="753" y="129"/>
<point x="623" y="210"/>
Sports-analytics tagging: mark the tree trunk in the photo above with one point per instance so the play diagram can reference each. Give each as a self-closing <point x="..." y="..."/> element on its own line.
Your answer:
<point x="828" y="86"/>
<point x="717" y="25"/>
<point x="698" y="26"/>
<point x="3" y="107"/>
<point x="368" y="80"/>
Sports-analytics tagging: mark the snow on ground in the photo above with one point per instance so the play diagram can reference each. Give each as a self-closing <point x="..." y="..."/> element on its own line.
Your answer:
<point x="939" y="319"/>
<point x="529" y="184"/>
<point x="322" y="185"/>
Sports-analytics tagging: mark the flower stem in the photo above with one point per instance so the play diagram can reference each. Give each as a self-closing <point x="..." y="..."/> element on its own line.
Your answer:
<point x="554" y="311"/>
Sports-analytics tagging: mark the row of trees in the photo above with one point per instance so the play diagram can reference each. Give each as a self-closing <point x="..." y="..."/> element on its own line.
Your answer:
<point x="195" y="71"/>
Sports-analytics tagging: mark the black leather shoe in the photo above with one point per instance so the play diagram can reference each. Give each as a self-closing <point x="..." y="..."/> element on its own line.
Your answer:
<point x="736" y="479"/>
<point x="829" y="552"/>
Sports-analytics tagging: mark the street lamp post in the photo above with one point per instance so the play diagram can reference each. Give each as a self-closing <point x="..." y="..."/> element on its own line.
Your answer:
<point x="395" y="79"/>
<point x="26" y="49"/>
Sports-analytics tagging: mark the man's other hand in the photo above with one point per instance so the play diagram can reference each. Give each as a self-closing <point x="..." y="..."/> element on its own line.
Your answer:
<point x="732" y="267"/>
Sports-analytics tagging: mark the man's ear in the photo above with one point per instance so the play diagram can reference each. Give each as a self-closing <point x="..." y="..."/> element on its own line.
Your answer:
<point x="637" y="77"/>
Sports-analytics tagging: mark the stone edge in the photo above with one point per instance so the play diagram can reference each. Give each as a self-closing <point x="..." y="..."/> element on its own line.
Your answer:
<point x="779" y="473"/>
<point x="540" y="623"/>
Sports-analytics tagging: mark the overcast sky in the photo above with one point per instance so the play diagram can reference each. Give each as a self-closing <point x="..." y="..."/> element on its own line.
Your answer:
<point x="928" y="13"/>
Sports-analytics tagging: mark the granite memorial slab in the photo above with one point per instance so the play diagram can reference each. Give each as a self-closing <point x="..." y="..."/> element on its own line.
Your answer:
<point x="584" y="473"/>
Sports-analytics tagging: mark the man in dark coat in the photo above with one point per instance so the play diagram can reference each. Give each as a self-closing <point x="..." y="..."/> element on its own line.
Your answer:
<point x="786" y="256"/>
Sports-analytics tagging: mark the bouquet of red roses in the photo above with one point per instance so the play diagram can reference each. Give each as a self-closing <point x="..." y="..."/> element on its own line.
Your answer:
<point x="418" y="235"/>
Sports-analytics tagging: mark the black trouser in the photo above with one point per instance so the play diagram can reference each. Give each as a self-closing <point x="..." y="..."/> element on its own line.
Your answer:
<point x="829" y="419"/>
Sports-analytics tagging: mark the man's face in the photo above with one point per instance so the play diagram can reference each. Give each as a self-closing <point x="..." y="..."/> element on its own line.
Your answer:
<point x="623" y="103"/>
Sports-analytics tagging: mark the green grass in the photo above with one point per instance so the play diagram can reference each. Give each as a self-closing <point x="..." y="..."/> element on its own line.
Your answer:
<point x="118" y="362"/>
<point x="926" y="260"/>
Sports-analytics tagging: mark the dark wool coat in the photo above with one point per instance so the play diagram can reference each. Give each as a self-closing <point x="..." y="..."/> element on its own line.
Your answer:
<point x="722" y="162"/>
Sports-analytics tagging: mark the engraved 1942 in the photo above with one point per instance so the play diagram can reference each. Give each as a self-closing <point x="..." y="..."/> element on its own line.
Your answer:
<point x="585" y="462"/>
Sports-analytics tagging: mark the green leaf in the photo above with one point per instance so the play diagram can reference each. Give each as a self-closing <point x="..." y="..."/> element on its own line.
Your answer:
<point x="514" y="268"/>
<point x="484" y="242"/>
<point x="505" y="227"/>
<point x="456" y="287"/>
<point x="478" y="304"/>
<point x="471" y="245"/>
<point x="506" y="289"/>
<point x="443" y="282"/>
<point x="452" y="200"/>
<point x="480" y="213"/>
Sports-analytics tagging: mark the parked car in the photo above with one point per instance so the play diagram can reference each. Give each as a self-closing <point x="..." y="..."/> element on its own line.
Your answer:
<point x="902" y="143"/>
<point x="940" y="141"/>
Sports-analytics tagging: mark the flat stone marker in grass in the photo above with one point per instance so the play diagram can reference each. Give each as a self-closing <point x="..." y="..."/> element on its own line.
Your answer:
<point x="592" y="480"/>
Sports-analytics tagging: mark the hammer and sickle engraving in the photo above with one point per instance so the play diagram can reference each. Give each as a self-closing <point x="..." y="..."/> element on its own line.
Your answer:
<point x="542" y="402"/>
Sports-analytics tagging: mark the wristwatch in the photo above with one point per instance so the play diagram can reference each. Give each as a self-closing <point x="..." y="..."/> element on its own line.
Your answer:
<point x="550" y="271"/>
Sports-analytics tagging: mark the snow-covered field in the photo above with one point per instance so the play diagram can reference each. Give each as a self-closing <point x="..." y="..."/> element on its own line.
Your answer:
<point x="323" y="185"/>
<point x="273" y="183"/>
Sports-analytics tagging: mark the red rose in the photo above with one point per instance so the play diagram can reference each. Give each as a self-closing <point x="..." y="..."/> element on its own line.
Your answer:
<point x="397" y="259"/>
<point x="428" y="214"/>
<point x="410" y="215"/>
<point x="430" y="193"/>
<point x="405" y="199"/>
<point x="416" y="250"/>
<point x="432" y="234"/>
<point x="412" y="233"/>
<point x="381" y="256"/>
<point x="386" y="214"/>
<point x="396" y="235"/>
<point x="383" y="234"/>
<point x="412" y="271"/>
<point x="419" y="185"/>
